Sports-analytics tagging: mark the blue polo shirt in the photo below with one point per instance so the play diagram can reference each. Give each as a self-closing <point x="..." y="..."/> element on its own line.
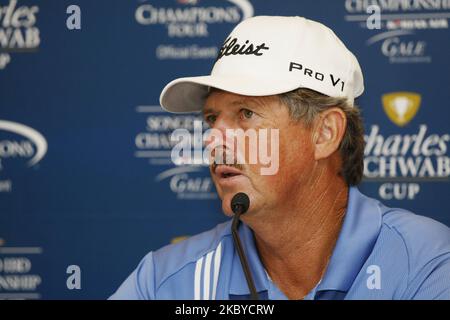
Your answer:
<point x="381" y="253"/>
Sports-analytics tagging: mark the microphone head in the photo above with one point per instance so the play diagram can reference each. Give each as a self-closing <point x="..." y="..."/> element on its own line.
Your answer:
<point x="240" y="203"/>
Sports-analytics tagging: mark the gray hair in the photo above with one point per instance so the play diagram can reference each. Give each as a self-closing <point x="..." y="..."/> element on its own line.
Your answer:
<point x="305" y="105"/>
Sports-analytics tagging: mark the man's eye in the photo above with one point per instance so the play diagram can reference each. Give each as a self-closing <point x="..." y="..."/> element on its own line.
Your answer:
<point x="210" y="118"/>
<point x="247" y="113"/>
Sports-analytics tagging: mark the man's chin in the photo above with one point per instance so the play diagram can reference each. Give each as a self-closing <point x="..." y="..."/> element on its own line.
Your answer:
<point x="226" y="204"/>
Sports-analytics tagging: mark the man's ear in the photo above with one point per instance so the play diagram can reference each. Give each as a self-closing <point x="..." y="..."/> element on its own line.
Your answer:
<point x="329" y="130"/>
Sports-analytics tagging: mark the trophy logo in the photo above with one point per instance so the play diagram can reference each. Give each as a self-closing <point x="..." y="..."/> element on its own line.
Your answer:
<point x="401" y="107"/>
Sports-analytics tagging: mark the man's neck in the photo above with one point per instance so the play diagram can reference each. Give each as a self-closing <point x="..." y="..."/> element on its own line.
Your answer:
<point x="295" y="242"/>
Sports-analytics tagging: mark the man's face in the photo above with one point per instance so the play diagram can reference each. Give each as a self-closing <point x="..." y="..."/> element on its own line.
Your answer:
<point x="224" y="110"/>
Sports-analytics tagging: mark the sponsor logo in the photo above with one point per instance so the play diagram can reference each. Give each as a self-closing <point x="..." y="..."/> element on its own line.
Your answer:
<point x="184" y="179"/>
<point x="399" y="47"/>
<point x="401" y="107"/>
<point x="360" y="6"/>
<point x="190" y="19"/>
<point x="188" y="183"/>
<point x="18" y="141"/>
<point x="402" y="162"/>
<point x="400" y="25"/>
<point x="334" y="80"/>
<point x="186" y="52"/>
<point x="417" y="24"/>
<point x="231" y="47"/>
<point x="31" y="146"/>
<point x="18" y="31"/>
<point x="18" y="277"/>
<point x="154" y="142"/>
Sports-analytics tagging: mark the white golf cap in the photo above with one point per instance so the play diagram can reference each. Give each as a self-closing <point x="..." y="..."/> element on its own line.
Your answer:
<point x="267" y="55"/>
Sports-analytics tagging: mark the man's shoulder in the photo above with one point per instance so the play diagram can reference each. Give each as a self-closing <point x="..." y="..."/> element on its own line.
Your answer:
<point x="416" y="233"/>
<point x="172" y="258"/>
<point x="179" y="262"/>
<point x="423" y="239"/>
<point x="417" y="230"/>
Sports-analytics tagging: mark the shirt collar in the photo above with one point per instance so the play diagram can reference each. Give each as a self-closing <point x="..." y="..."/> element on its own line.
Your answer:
<point x="360" y="229"/>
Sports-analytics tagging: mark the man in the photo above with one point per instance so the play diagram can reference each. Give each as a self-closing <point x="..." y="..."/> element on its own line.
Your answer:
<point x="308" y="233"/>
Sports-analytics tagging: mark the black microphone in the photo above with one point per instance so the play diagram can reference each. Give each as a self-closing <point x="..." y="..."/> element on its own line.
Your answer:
<point x="240" y="204"/>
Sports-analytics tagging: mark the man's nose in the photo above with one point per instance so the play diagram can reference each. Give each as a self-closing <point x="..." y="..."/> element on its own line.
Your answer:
<point x="219" y="130"/>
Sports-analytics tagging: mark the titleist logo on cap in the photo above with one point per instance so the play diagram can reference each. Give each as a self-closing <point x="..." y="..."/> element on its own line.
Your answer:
<point x="231" y="47"/>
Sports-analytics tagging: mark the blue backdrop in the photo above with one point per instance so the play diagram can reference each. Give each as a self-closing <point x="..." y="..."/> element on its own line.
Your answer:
<point x="85" y="171"/>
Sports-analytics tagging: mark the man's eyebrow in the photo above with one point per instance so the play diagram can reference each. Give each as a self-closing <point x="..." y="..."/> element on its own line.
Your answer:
<point x="207" y="110"/>
<point x="238" y="102"/>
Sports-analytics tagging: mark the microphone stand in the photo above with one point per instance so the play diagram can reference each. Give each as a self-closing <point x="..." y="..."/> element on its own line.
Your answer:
<point x="240" y="251"/>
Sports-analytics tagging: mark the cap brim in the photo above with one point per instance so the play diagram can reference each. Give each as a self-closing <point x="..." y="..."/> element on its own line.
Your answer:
<point x="189" y="94"/>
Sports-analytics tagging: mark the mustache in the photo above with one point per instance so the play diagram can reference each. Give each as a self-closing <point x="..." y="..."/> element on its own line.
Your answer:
<point x="223" y="162"/>
<point x="238" y="166"/>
